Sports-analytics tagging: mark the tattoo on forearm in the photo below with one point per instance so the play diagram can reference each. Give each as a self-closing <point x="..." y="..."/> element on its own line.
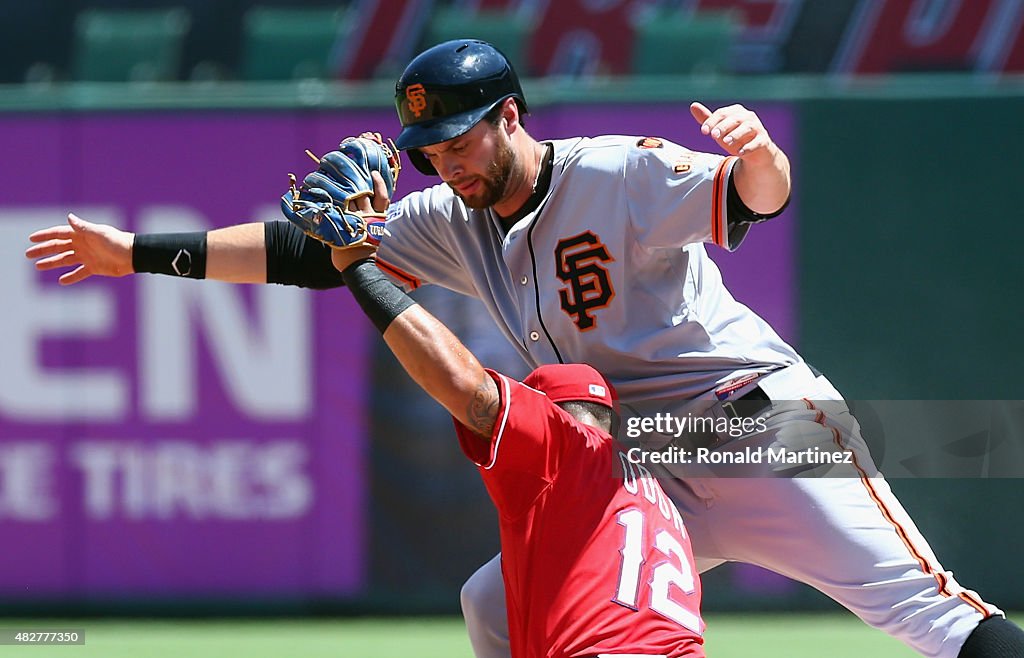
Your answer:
<point x="483" y="408"/>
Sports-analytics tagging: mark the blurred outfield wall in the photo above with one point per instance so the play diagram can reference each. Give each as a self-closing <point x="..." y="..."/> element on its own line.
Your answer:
<point x="167" y="441"/>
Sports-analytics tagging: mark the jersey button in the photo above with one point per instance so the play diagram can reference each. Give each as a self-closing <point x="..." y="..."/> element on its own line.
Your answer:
<point x="524" y="280"/>
<point x="534" y="336"/>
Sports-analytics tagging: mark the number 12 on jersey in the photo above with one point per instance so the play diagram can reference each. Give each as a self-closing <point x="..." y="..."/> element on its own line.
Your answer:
<point x="664" y="573"/>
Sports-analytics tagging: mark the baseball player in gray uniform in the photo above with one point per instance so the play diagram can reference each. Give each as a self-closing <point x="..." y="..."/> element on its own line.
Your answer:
<point x="591" y="250"/>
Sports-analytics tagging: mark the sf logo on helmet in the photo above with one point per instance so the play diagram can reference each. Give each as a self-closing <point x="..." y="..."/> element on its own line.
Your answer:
<point x="417" y="96"/>
<point x="578" y="263"/>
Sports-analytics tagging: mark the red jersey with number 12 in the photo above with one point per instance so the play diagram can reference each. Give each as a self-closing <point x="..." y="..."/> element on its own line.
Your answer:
<point x="595" y="557"/>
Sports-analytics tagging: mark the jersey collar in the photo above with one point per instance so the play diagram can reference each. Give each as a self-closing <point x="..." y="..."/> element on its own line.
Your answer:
<point x="540" y="189"/>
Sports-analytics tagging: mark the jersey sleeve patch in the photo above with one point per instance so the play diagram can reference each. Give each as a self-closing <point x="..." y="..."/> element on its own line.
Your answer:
<point x="683" y="164"/>
<point x="671" y="196"/>
<point x="650" y="143"/>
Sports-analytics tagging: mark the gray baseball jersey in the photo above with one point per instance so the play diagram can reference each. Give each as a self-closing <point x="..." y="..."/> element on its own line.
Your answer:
<point x="609" y="269"/>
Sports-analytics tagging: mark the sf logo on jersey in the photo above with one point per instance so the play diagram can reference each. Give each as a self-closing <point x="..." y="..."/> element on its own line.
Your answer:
<point x="578" y="263"/>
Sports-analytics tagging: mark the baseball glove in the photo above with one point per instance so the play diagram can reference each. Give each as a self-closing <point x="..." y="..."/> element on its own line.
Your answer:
<point x="322" y="207"/>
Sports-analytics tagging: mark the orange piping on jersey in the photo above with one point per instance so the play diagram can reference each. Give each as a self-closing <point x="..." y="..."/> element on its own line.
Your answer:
<point x="399" y="274"/>
<point x="940" y="578"/>
<point x="715" y="208"/>
<point x="974" y="603"/>
<point x="717" y="192"/>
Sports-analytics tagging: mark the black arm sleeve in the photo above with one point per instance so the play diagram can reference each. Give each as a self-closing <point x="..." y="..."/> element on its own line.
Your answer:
<point x="381" y="300"/>
<point x="295" y="259"/>
<point x="740" y="217"/>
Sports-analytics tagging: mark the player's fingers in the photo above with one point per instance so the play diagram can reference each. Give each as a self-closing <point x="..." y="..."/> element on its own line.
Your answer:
<point x="60" y="260"/>
<point x="739" y="135"/>
<point x="74" y="276"/>
<point x="380" y="192"/>
<point x="711" y="125"/>
<point x="79" y="226"/>
<point x="728" y="113"/>
<point x="725" y="127"/>
<point x="701" y="113"/>
<point x="51" y="233"/>
<point x="76" y="222"/>
<point x="363" y="204"/>
<point x="48" y="248"/>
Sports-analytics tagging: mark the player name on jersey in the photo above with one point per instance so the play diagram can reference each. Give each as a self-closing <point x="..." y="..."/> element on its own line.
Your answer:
<point x="638" y="481"/>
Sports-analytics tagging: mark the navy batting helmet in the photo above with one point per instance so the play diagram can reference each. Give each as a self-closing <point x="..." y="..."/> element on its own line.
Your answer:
<point x="448" y="89"/>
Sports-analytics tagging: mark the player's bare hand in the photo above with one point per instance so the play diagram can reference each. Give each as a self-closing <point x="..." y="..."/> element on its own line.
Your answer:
<point x="737" y="130"/>
<point x="86" y="247"/>
<point x="380" y="191"/>
<point x="379" y="201"/>
<point x="762" y="175"/>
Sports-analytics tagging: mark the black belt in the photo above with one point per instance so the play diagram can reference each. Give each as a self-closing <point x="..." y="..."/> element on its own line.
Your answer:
<point x="749" y="405"/>
<point x="754" y="402"/>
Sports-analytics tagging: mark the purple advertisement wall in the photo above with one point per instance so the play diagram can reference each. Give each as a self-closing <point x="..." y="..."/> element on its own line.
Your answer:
<point x="165" y="438"/>
<point x="162" y="436"/>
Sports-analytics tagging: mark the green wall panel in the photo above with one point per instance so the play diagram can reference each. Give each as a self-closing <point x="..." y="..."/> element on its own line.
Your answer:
<point x="911" y="228"/>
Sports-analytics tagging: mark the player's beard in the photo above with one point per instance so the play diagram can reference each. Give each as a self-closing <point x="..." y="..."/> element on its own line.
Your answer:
<point x="494" y="184"/>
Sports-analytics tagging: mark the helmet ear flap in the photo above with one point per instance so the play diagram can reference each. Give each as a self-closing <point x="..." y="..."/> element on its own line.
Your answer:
<point x="421" y="163"/>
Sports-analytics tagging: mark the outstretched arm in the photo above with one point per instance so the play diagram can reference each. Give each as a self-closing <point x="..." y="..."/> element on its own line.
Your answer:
<point x="273" y="252"/>
<point x="432" y="355"/>
<point x="237" y="254"/>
